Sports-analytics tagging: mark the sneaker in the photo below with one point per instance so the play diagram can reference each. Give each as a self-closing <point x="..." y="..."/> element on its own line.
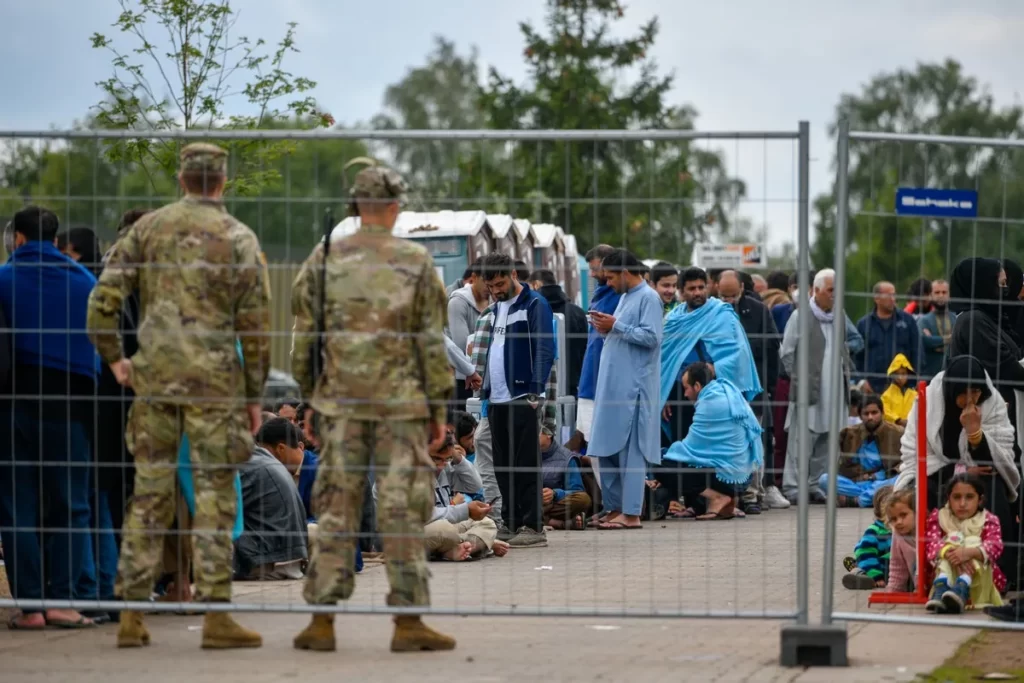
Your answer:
<point x="936" y="603"/>
<point x="849" y="563"/>
<point x="504" y="533"/>
<point x="956" y="598"/>
<point x="528" y="538"/>
<point x="751" y="508"/>
<point x="774" y="500"/>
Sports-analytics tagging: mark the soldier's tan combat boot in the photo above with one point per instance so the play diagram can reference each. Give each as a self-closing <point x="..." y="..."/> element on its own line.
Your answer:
<point x="412" y="635"/>
<point x="319" y="635"/>
<point x="133" y="632"/>
<point x="221" y="632"/>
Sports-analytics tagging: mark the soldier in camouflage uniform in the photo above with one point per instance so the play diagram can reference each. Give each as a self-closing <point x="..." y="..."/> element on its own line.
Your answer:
<point x="202" y="283"/>
<point x="382" y="396"/>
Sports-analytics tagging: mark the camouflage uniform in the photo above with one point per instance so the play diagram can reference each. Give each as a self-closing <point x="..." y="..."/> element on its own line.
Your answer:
<point x="385" y="376"/>
<point x="202" y="282"/>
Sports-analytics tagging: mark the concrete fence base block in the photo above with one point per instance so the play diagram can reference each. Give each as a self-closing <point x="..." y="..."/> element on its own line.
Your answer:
<point x="813" y="645"/>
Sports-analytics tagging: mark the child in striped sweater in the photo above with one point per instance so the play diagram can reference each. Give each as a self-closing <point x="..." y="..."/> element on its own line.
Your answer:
<point x="868" y="566"/>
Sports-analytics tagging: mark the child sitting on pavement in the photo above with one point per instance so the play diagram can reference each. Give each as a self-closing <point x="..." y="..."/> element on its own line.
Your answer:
<point x="963" y="543"/>
<point x="869" y="564"/>
<point x="899" y="511"/>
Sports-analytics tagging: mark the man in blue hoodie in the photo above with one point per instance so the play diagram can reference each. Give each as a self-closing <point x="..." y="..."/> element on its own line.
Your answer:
<point x="44" y="296"/>
<point x="604" y="300"/>
<point x="518" y="352"/>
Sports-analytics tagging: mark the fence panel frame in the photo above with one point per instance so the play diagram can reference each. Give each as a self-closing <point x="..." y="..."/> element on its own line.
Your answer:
<point x="801" y="136"/>
<point x="844" y="137"/>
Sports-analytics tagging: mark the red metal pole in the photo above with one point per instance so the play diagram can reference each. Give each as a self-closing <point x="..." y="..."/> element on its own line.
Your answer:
<point x="922" y="487"/>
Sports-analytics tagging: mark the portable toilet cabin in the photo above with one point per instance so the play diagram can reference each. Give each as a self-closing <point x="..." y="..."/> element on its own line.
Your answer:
<point x="455" y="239"/>
<point x="506" y="237"/>
<point x="527" y="239"/>
<point x="547" y="251"/>
<point x="573" y="281"/>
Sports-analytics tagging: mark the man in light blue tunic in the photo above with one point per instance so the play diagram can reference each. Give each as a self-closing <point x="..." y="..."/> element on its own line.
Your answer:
<point x="626" y="405"/>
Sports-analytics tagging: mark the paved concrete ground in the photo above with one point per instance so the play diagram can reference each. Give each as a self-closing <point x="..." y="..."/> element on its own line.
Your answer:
<point x="736" y="567"/>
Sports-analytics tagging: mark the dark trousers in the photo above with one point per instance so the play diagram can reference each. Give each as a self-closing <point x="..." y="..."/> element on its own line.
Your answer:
<point x="693" y="483"/>
<point x="51" y="476"/>
<point x="777" y="456"/>
<point x="459" y="398"/>
<point x="514" y="441"/>
<point x="96" y="582"/>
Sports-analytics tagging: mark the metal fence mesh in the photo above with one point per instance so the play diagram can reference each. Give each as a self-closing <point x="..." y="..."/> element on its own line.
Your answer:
<point x="920" y="208"/>
<point x="671" y="193"/>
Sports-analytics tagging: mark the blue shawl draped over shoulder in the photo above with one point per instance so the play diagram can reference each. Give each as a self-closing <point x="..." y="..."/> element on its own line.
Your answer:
<point x="725" y="435"/>
<point x="717" y="326"/>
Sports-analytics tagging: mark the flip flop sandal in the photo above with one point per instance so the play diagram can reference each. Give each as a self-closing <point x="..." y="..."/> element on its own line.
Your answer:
<point x="615" y="526"/>
<point x="714" y="517"/>
<point x="595" y="522"/>
<point x="13" y="624"/>
<point x="79" y="623"/>
<point x="688" y="513"/>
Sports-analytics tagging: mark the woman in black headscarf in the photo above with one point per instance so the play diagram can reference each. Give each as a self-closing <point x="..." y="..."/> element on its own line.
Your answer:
<point x="976" y="291"/>
<point x="967" y="426"/>
<point x="1013" y="310"/>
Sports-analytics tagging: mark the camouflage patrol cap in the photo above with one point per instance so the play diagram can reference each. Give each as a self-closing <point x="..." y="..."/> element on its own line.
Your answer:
<point x="379" y="182"/>
<point x="202" y="157"/>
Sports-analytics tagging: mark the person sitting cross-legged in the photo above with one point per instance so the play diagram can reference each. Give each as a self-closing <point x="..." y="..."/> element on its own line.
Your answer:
<point x="564" y="496"/>
<point x="458" y="530"/>
<point x="869" y="454"/>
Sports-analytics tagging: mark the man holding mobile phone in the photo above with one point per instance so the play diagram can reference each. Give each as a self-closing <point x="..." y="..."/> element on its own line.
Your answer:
<point x="458" y="529"/>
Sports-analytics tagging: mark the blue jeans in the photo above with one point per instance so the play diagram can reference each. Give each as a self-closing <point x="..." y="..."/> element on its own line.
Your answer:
<point x="43" y="460"/>
<point x="96" y="582"/>
<point x="863" y="491"/>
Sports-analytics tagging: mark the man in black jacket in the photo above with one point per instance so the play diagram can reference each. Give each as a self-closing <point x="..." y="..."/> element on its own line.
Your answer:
<point x="759" y="325"/>
<point x="545" y="284"/>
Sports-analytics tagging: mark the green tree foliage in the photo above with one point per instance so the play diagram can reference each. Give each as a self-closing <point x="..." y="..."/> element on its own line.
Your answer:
<point x="655" y="197"/>
<point x="931" y="99"/>
<point x="647" y="196"/>
<point x="178" y="66"/>
<point x="442" y="94"/>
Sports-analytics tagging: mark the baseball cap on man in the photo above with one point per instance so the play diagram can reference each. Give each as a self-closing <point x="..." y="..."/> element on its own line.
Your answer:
<point x="379" y="182"/>
<point x="202" y="157"/>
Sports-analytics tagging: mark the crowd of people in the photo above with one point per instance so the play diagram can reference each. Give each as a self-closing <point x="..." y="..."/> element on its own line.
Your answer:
<point x="685" y="384"/>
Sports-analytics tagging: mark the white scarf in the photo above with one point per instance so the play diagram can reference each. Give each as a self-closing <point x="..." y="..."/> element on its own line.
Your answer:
<point x="995" y="423"/>
<point x="821" y="315"/>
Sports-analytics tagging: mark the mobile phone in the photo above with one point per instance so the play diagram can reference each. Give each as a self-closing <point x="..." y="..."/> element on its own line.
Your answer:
<point x="492" y="501"/>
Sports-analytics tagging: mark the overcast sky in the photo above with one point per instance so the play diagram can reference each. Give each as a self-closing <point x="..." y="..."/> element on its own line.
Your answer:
<point x="744" y="64"/>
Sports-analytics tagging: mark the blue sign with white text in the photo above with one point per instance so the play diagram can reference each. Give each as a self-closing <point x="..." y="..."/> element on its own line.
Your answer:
<point x="926" y="201"/>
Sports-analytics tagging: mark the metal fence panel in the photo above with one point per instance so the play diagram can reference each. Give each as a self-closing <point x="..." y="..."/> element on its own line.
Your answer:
<point x="940" y="199"/>
<point x="644" y="190"/>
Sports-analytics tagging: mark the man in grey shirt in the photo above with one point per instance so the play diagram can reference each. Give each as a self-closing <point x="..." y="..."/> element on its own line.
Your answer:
<point x="273" y="545"/>
<point x="465" y="305"/>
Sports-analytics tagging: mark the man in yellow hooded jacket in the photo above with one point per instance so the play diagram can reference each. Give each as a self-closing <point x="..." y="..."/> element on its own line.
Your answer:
<point x="899" y="398"/>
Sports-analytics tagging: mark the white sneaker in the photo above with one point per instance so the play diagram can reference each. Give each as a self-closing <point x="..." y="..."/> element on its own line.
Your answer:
<point x="774" y="499"/>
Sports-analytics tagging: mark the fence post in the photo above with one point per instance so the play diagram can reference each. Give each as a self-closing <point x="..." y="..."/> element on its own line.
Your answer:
<point x="841" y="387"/>
<point x="804" y="644"/>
